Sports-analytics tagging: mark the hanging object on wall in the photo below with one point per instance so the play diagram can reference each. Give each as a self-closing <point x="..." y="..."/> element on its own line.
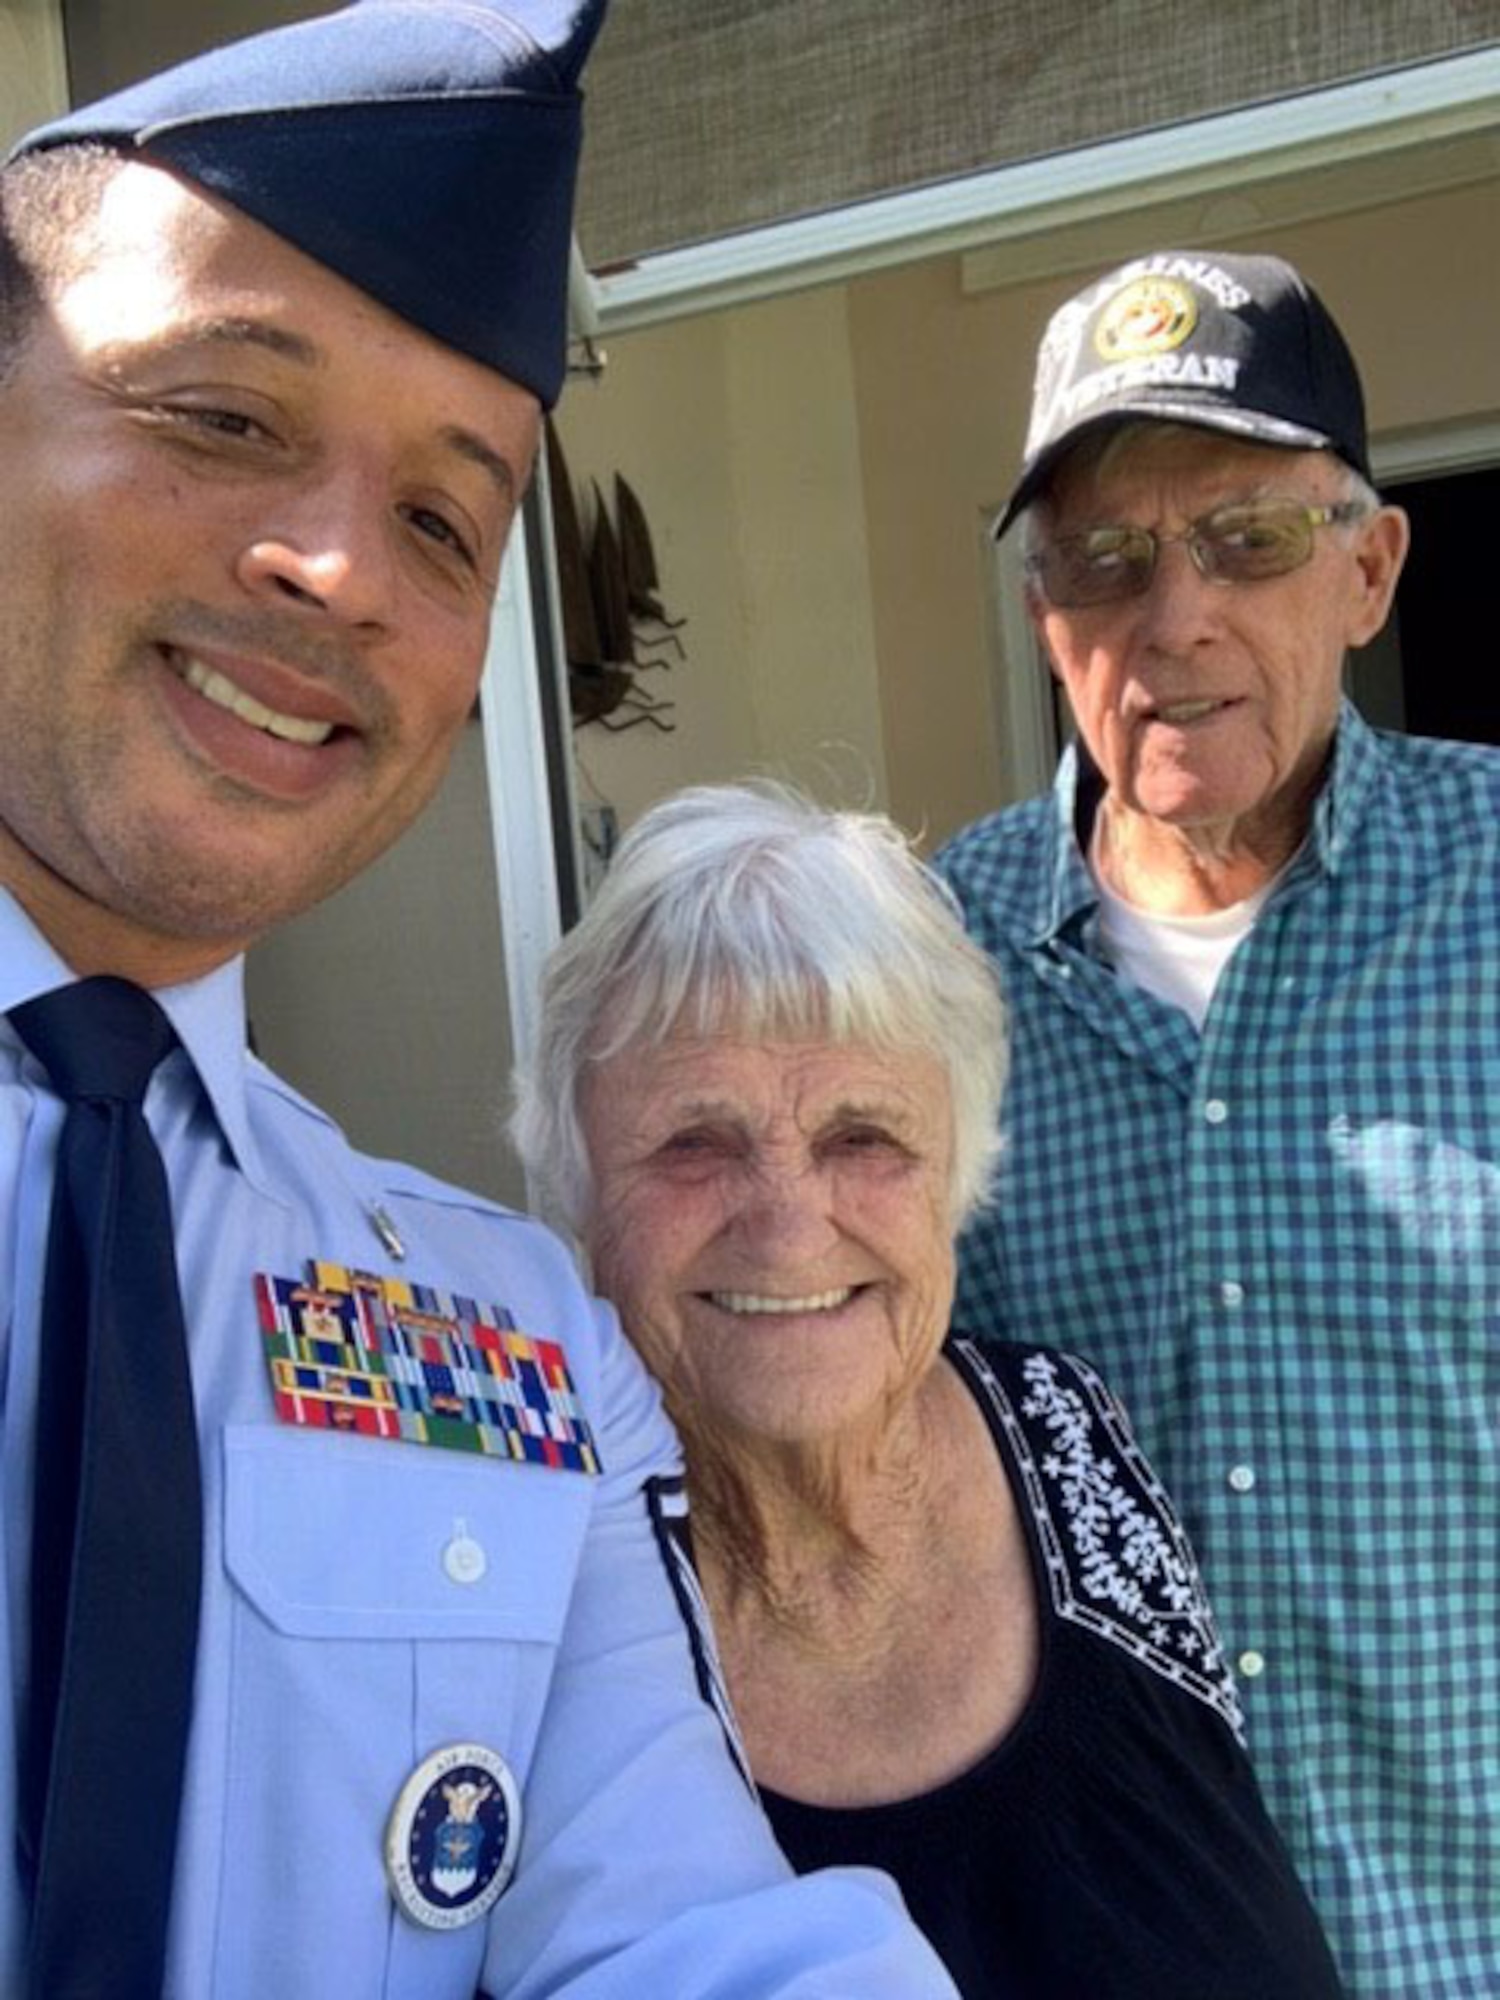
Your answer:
<point x="638" y="560"/>
<point x="580" y="628"/>
<point x="605" y="638"/>
<point x="611" y="597"/>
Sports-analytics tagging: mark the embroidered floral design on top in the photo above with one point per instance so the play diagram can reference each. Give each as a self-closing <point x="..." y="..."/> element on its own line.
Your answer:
<point x="1117" y="1560"/>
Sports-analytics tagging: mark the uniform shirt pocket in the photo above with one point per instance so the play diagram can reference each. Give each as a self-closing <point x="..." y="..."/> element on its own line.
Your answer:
<point x="383" y="1601"/>
<point x="348" y="1538"/>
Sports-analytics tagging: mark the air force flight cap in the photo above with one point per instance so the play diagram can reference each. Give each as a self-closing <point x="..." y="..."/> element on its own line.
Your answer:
<point x="426" y="150"/>
<point x="1229" y="343"/>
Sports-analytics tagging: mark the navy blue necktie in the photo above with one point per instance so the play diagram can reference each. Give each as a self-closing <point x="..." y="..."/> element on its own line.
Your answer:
<point x="116" y="1560"/>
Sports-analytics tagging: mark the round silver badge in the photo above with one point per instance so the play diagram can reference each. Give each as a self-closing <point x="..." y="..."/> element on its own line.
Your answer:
<point x="453" y="1836"/>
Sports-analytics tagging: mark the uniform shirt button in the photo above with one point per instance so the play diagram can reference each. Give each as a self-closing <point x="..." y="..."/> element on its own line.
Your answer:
<point x="464" y="1559"/>
<point x="1216" y="1111"/>
<point x="1232" y="1292"/>
<point x="1252" y="1664"/>
<point x="1241" y="1478"/>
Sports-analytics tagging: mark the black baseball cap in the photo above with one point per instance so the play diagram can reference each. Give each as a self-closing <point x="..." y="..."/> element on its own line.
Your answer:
<point x="1242" y="345"/>
<point x="426" y="150"/>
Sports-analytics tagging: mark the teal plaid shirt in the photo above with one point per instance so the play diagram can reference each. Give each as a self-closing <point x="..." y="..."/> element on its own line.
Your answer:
<point x="1281" y="1244"/>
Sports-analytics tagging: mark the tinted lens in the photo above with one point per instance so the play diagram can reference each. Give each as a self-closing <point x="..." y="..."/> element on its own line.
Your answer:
<point x="1241" y="544"/>
<point x="1238" y="544"/>
<point x="1096" y="568"/>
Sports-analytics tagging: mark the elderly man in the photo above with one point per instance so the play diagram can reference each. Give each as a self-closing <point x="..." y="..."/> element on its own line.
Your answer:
<point x="344" y="1633"/>
<point x="1252" y="950"/>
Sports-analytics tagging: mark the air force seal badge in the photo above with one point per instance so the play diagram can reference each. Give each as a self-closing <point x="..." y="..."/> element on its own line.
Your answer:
<point x="453" y="1836"/>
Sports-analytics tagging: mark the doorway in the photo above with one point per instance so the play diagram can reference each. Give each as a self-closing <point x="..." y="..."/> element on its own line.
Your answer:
<point x="1436" y="678"/>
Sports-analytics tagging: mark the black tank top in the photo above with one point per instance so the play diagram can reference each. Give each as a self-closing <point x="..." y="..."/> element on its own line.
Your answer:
<point x="1114" y="1846"/>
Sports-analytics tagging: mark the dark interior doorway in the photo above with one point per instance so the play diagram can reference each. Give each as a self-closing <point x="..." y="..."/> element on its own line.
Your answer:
<point x="1434" y="671"/>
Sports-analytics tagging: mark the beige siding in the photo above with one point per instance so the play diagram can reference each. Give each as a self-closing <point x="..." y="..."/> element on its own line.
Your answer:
<point x="33" y="74"/>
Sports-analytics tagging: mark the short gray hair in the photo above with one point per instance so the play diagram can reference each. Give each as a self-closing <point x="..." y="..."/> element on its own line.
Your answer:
<point x="1104" y="449"/>
<point x="750" y="909"/>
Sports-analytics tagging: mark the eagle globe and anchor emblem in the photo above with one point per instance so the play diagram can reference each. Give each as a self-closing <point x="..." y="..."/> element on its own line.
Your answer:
<point x="453" y="1837"/>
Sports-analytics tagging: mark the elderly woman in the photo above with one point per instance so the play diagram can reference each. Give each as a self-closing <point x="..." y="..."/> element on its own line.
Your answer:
<point x="962" y="1630"/>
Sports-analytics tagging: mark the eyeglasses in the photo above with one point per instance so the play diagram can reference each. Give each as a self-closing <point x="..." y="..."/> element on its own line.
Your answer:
<point x="1243" y="544"/>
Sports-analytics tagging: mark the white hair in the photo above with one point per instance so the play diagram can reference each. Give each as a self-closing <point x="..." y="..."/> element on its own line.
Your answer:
<point x="749" y="909"/>
<point x="1109" y="446"/>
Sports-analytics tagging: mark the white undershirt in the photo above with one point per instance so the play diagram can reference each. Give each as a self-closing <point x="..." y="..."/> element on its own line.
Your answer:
<point x="1179" y="959"/>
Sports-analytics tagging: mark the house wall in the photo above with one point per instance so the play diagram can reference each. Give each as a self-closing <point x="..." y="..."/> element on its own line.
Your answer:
<point x="387" y="1003"/>
<point x="739" y="433"/>
<point x="33" y="72"/>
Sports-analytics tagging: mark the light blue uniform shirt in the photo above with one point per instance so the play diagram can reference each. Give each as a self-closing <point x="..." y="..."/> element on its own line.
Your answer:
<point x="338" y="1650"/>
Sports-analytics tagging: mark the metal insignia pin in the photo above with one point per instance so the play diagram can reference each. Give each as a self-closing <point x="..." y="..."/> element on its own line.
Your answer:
<point x="386" y="1230"/>
<point x="453" y="1837"/>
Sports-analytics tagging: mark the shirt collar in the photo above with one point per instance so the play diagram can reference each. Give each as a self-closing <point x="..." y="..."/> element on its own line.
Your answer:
<point x="208" y="1015"/>
<point x="28" y="964"/>
<point x="1065" y="890"/>
<point x="1346" y="799"/>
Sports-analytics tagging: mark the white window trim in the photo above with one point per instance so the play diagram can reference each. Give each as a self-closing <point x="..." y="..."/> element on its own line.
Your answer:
<point x="1024" y="702"/>
<point x="516" y="771"/>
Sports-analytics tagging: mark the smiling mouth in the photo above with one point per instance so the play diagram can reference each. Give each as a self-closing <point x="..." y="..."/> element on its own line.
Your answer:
<point x="222" y="692"/>
<point x="752" y="1303"/>
<point x="1176" y="714"/>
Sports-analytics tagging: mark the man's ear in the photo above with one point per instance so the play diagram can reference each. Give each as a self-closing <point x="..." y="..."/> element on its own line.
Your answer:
<point x="1379" y="553"/>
